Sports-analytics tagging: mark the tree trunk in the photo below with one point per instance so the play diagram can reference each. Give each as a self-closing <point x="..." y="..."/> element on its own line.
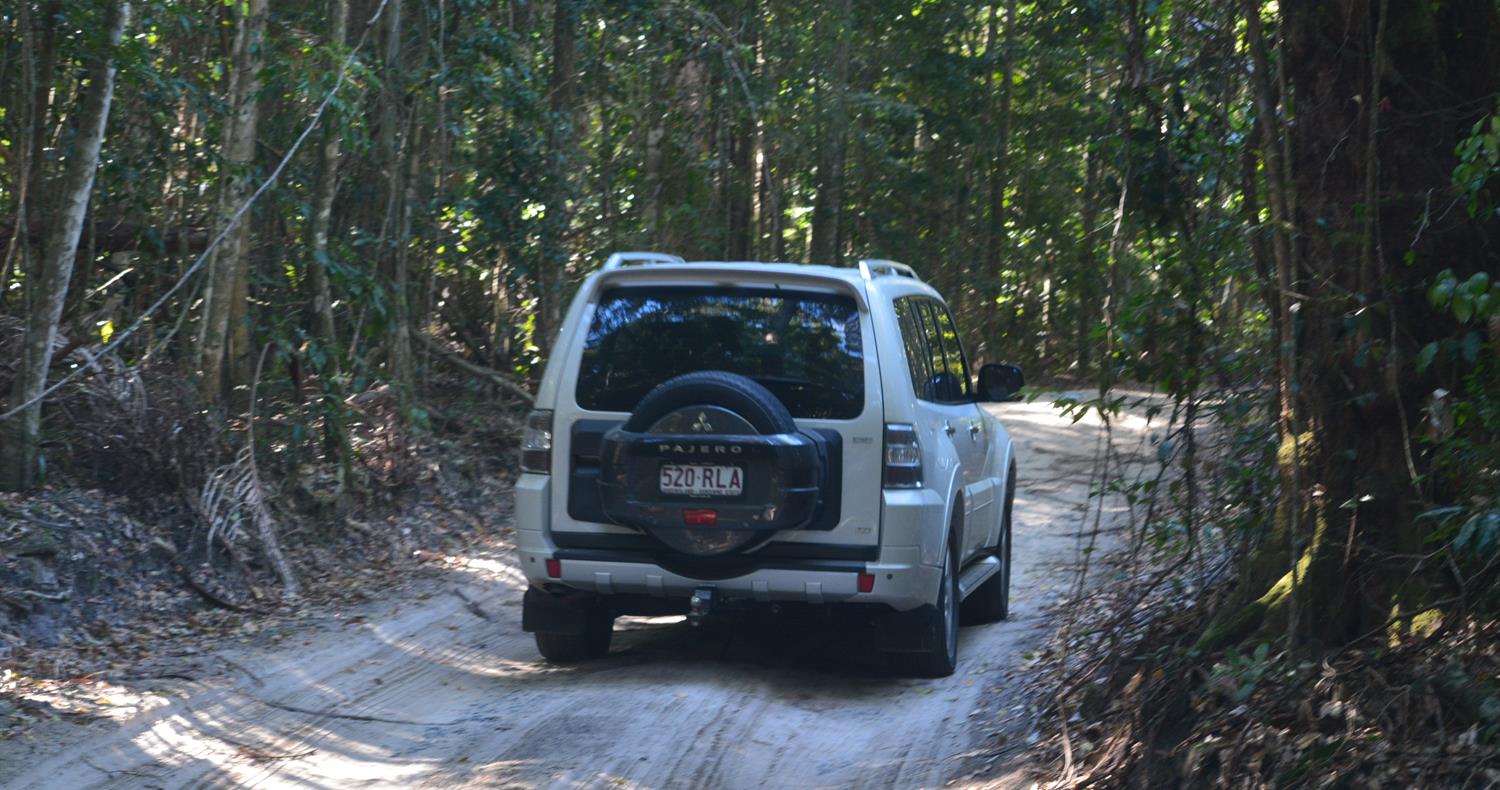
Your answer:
<point x="739" y="187"/>
<point x="740" y="182"/>
<point x="1000" y="164"/>
<point x="651" y="215"/>
<point x="1372" y="119"/>
<point x="995" y="245"/>
<point x="768" y="203"/>
<point x="18" y="456"/>
<point x="605" y="186"/>
<point x="27" y="163"/>
<point x="1086" y="286"/>
<point x="41" y="102"/>
<point x="230" y="264"/>
<point x="238" y="352"/>
<point x="322" y="217"/>
<point x="1278" y="202"/>
<point x="500" y="315"/>
<point x="828" y="204"/>
<point x="395" y="149"/>
<point x="561" y="139"/>
<point x="401" y="320"/>
<point x="1436" y="82"/>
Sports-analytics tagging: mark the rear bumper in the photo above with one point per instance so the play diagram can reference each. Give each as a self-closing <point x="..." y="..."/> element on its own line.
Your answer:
<point x="902" y="580"/>
<point x="898" y="584"/>
<point x="563" y="610"/>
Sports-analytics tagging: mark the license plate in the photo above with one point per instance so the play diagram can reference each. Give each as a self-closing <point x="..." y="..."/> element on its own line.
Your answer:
<point x="702" y="480"/>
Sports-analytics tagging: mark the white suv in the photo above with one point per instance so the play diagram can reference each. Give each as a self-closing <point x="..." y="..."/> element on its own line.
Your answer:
<point x="713" y="435"/>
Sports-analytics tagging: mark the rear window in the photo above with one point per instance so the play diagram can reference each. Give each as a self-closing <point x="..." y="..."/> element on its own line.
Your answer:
<point x="804" y="347"/>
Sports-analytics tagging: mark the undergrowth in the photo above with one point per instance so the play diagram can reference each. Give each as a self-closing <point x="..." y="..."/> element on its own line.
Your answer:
<point x="1138" y="698"/>
<point x="149" y="520"/>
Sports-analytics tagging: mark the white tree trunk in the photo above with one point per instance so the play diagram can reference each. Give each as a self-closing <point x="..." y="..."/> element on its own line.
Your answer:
<point x="18" y="455"/>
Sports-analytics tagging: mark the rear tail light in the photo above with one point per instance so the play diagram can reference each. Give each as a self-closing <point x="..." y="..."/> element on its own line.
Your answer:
<point x="536" y="442"/>
<point x="554" y="568"/>
<point x="700" y="517"/>
<point x="867" y="582"/>
<point x="903" y="457"/>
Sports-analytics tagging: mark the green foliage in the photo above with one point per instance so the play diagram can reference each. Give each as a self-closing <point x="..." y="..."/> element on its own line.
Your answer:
<point x="1474" y="299"/>
<point x="1465" y="418"/>
<point x="1472" y="302"/>
<point x="1466" y="463"/>
<point x="688" y="113"/>
<point x="1478" y="164"/>
<point x="1242" y="674"/>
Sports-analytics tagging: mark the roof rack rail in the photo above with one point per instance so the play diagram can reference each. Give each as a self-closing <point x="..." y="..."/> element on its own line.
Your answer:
<point x="870" y="268"/>
<point x="619" y="259"/>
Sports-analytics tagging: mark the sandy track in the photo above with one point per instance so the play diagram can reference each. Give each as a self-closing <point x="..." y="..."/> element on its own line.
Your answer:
<point x="424" y="692"/>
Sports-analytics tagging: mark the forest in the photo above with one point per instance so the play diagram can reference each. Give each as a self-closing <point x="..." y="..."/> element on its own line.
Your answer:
<point x="260" y="246"/>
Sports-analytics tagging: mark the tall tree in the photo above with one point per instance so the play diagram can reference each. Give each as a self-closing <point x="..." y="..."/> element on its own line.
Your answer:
<point x="18" y="454"/>
<point x="228" y="272"/>
<point x="998" y="113"/>
<point x="1423" y="78"/>
<point x="327" y="190"/>
<point x="42" y="91"/>
<point x="1379" y="91"/>
<point x="562" y="133"/>
<point x="397" y="148"/>
<point x="828" y="204"/>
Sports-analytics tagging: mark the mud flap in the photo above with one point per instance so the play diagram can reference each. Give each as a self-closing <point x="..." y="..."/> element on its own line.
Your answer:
<point x="556" y="613"/>
<point x="911" y="631"/>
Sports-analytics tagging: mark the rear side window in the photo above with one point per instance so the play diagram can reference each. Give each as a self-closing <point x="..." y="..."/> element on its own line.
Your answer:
<point x="913" y="339"/>
<point x="806" y="348"/>
<point x="941" y="387"/>
<point x="954" y="362"/>
<point x="939" y="371"/>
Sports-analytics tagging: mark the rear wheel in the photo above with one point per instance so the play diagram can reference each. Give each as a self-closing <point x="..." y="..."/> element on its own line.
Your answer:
<point x="940" y="656"/>
<point x="591" y="642"/>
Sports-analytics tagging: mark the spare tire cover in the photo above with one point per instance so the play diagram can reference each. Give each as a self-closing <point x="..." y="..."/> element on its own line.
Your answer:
<point x="713" y="423"/>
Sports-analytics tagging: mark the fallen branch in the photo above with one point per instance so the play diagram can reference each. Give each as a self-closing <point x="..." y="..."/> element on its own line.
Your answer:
<point x="493" y="376"/>
<point x="56" y="597"/>
<point x="209" y="594"/>
<point x="472" y="605"/>
<point x="119" y="771"/>
<point x="31" y="520"/>
<point x="258" y="754"/>
<point x="254" y="677"/>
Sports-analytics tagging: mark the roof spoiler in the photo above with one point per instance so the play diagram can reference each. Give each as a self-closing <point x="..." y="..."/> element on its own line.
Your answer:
<point x="620" y="259"/>
<point x="870" y="268"/>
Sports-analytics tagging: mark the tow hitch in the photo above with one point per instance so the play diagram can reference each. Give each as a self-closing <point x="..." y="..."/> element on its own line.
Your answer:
<point x="700" y="605"/>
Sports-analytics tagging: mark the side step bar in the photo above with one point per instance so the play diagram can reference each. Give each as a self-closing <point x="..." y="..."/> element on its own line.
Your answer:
<point x="976" y="574"/>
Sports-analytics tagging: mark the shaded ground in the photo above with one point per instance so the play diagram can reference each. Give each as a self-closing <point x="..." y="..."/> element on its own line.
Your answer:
<point x="436" y="684"/>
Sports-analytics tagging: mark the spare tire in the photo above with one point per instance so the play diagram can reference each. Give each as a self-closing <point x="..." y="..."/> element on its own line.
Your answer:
<point x="739" y="394"/>
<point x="710" y="463"/>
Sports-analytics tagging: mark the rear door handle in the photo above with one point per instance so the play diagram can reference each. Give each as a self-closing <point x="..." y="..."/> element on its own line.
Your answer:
<point x="974" y="429"/>
<point x="948" y="427"/>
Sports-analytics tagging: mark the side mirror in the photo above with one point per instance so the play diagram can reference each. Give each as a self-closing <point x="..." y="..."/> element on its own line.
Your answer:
<point x="1000" y="383"/>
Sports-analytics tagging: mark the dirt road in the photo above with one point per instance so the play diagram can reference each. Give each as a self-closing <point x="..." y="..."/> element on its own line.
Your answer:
<point x="423" y="690"/>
